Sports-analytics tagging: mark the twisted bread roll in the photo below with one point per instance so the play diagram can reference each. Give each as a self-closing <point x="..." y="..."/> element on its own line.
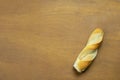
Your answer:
<point x="89" y="53"/>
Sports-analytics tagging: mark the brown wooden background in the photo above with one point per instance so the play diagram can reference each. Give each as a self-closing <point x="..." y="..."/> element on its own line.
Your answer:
<point x="40" y="39"/>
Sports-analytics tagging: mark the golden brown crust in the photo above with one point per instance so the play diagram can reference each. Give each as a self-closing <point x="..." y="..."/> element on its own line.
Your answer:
<point x="93" y="47"/>
<point x="82" y="65"/>
<point x="97" y="30"/>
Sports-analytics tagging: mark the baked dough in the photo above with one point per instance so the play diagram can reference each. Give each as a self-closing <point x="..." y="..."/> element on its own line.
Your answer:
<point x="88" y="54"/>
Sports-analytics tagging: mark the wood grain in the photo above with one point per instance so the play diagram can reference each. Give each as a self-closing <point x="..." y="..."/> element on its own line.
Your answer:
<point x="40" y="39"/>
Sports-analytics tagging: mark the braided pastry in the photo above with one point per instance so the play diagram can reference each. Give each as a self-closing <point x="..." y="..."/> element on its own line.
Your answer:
<point x="89" y="53"/>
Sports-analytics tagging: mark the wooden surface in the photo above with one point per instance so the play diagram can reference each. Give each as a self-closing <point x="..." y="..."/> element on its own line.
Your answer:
<point x="40" y="39"/>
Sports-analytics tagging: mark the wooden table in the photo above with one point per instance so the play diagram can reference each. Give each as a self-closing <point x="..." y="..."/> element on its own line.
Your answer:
<point x="40" y="39"/>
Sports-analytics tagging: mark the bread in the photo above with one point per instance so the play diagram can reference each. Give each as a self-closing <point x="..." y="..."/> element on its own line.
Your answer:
<point x="88" y="54"/>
